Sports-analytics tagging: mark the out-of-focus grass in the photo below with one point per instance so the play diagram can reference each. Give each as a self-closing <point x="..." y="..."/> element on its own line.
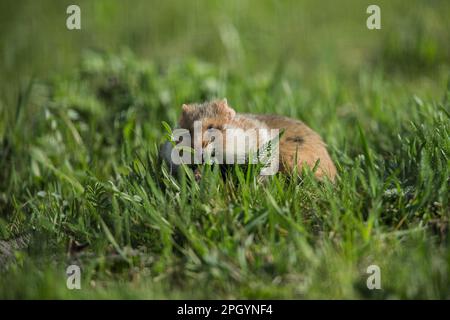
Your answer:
<point x="248" y="35"/>
<point x="80" y="123"/>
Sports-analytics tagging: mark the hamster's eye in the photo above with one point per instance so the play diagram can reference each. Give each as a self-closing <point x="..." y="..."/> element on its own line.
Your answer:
<point x="210" y="127"/>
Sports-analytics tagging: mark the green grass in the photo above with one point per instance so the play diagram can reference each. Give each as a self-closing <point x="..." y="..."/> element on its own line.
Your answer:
<point x="79" y="136"/>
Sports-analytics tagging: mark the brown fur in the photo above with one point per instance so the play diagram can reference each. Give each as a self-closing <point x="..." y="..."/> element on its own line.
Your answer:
<point x="299" y="145"/>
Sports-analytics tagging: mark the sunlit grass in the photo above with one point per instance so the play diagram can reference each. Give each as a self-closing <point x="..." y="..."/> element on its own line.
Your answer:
<point x="80" y="173"/>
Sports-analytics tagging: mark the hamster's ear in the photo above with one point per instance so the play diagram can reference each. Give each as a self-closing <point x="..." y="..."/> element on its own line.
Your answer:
<point x="223" y="108"/>
<point x="186" y="115"/>
<point x="186" y="107"/>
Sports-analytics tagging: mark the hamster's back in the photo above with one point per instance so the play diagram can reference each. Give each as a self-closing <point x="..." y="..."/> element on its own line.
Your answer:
<point x="299" y="144"/>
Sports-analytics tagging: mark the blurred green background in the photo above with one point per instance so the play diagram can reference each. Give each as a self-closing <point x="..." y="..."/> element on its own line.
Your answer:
<point x="247" y="35"/>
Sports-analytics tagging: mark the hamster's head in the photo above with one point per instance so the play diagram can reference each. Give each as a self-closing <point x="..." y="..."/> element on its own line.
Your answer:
<point x="221" y="134"/>
<point x="212" y="116"/>
<point x="214" y="112"/>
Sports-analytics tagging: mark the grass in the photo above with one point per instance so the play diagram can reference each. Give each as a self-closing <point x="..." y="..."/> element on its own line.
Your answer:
<point x="79" y="140"/>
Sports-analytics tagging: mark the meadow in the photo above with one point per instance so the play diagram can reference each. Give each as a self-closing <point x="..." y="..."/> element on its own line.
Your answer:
<point x="82" y="116"/>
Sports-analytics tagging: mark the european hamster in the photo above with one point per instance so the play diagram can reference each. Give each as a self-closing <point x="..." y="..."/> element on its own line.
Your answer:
<point x="299" y="145"/>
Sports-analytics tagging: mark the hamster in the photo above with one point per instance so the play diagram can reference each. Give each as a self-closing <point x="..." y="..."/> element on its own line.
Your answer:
<point x="298" y="145"/>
